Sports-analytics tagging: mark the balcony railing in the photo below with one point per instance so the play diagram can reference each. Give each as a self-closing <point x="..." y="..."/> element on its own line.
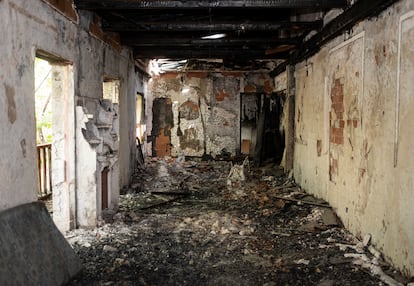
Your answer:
<point x="44" y="167"/>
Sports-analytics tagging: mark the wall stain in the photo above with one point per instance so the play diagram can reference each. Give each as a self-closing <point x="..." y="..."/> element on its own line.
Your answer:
<point x="23" y="146"/>
<point x="189" y="140"/>
<point x="11" y="104"/>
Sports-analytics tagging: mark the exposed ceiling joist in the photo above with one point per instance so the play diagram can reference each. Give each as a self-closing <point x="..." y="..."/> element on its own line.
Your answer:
<point x="182" y="42"/>
<point x="195" y="4"/>
<point x="137" y="26"/>
<point x="252" y="29"/>
<point x="205" y="53"/>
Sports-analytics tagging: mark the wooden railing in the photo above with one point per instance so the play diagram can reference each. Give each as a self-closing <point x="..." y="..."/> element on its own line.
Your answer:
<point x="44" y="169"/>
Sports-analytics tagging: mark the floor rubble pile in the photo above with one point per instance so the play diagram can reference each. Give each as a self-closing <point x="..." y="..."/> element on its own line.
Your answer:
<point x="215" y="223"/>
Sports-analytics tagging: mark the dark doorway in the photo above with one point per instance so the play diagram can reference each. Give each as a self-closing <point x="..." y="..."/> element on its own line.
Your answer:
<point x="260" y="121"/>
<point x="104" y="187"/>
<point x="162" y="122"/>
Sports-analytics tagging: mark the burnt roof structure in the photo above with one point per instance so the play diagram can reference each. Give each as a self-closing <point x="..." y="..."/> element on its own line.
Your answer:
<point x="284" y="31"/>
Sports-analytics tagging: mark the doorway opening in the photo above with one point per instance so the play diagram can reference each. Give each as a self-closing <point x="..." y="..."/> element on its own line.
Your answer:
<point x="104" y="188"/>
<point x="43" y="111"/>
<point x="107" y="155"/>
<point x="54" y="109"/>
<point x="140" y="127"/>
<point x="260" y="122"/>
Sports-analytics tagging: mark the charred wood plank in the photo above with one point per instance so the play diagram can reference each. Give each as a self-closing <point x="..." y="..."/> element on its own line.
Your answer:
<point x="209" y="52"/>
<point x="187" y="4"/>
<point x="142" y="41"/>
<point x="138" y="26"/>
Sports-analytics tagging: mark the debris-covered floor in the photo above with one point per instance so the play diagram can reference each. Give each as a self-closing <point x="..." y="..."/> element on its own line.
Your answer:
<point x="188" y="223"/>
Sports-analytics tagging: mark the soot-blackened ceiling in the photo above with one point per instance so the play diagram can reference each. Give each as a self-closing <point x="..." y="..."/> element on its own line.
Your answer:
<point x="280" y="30"/>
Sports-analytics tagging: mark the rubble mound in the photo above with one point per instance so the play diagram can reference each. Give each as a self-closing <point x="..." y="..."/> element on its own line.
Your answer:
<point x="191" y="223"/>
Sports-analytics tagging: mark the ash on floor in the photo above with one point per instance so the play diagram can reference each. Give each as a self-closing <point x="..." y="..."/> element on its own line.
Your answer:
<point x="219" y="223"/>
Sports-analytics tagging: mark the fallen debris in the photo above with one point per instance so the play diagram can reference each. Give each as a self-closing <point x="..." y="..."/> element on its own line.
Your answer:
<point x="181" y="223"/>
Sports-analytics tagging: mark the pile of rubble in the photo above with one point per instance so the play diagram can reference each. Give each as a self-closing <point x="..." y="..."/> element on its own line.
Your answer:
<point x="218" y="223"/>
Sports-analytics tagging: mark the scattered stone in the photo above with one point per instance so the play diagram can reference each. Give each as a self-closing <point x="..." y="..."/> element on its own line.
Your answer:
<point x="329" y="217"/>
<point x="302" y="261"/>
<point x="245" y="234"/>
<point x="108" y="248"/>
<point x="327" y="283"/>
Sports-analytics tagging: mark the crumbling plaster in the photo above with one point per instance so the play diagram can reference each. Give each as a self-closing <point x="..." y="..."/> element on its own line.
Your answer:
<point x="206" y="118"/>
<point x="352" y="138"/>
<point x="29" y="26"/>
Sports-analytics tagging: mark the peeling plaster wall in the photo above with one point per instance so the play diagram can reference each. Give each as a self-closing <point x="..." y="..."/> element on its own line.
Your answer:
<point x="206" y="118"/>
<point x="31" y="25"/>
<point x="353" y="130"/>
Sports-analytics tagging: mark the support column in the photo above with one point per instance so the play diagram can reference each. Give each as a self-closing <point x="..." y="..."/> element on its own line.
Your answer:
<point x="290" y="112"/>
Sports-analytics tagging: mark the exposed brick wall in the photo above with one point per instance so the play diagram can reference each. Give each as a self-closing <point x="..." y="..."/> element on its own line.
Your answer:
<point x="221" y="95"/>
<point x="250" y="88"/>
<point x="197" y="74"/>
<point x="337" y="122"/>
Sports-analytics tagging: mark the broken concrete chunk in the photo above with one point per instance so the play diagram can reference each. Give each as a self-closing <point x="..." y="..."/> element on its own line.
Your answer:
<point x="329" y="217"/>
<point x="302" y="261"/>
<point x="109" y="248"/>
<point x="366" y="240"/>
<point x="327" y="283"/>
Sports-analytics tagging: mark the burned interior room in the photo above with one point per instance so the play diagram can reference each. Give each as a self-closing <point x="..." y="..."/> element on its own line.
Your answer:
<point x="175" y="142"/>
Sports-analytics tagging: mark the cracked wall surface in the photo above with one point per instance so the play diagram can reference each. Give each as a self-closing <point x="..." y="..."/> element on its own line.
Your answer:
<point x="205" y="110"/>
<point x="54" y="30"/>
<point x="353" y="130"/>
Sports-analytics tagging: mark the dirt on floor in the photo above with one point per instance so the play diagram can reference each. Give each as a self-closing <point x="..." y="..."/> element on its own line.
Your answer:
<point x="193" y="222"/>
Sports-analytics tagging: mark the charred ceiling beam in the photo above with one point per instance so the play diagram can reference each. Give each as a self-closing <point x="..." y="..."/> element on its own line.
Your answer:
<point x="206" y="53"/>
<point x="359" y="11"/>
<point x="200" y="26"/>
<point x="193" y="4"/>
<point x="137" y="40"/>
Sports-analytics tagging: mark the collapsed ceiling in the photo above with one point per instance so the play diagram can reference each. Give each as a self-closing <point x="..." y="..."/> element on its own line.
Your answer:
<point x="235" y="31"/>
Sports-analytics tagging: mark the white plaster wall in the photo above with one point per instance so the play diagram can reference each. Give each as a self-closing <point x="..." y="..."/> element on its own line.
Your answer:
<point x="127" y="119"/>
<point x="86" y="173"/>
<point x="25" y="27"/>
<point x="372" y="189"/>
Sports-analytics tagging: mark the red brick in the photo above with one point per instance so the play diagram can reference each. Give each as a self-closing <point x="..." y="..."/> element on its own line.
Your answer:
<point x="339" y="140"/>
<point x="337" y="131"/>
<point x="338" y="107"/>
<point x="221" y="95"/>
<point x="338" y="98"/>
<point x="197" y="74"/>
<point x="355" y="123"/>
<point x="169" y="75"/>
<point x="245" y="147"/>
<point x="250" y="88"/>
<point x="233" y="73"/>
<point x="268" y="86"/>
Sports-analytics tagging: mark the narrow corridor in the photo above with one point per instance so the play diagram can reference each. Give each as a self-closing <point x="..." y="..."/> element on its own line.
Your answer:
<point x="190" y="223"/>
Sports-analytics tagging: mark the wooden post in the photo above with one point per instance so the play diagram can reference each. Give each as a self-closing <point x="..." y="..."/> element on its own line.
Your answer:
<point x="290" y="126"/>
